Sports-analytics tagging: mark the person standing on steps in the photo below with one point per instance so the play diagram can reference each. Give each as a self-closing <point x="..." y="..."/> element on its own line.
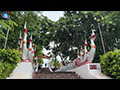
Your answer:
<point x="45" y="64"/>
<point x="39" y="68"/>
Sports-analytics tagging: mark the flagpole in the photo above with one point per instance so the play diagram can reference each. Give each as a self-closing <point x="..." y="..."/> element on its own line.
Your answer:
<point x="6" y="37"/>
<point x="101" y="38"/>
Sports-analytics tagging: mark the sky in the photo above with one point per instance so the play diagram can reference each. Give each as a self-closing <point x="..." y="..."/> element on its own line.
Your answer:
<point x="54" y="16"/>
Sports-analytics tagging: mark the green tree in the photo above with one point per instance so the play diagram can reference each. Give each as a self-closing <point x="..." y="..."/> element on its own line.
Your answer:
<point x="33" y="26"/>
<point x="110" y="31"/>
<point x="5" y="25"/>
<point x="40" y="61"/>
<point x="72" y="29"/>
<point x="57" y="63"/>
<point x="68" y="32"/>
<point x="117" y="44"/>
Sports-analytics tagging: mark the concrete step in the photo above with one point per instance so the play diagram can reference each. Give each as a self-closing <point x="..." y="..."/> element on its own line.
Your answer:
<point x="46" y="74"/>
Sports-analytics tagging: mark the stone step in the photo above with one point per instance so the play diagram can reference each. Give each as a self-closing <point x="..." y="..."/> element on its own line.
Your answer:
<point x="56" y="76"/>
<point x="46" y="74"/>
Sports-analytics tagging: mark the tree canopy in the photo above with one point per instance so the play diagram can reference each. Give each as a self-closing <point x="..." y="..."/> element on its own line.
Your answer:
<point x="68" y="33"/>
<point x="72" y="29"/>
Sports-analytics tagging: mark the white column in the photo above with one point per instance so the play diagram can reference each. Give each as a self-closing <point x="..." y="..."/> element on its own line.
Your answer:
<point x="30" y="48"/>
<point x="24" y="56"/>
<point x="20" y="39"/>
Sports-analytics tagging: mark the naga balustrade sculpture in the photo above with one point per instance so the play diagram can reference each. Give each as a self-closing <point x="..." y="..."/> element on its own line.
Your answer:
<point x="82" y="60"/>
<point x="28" y="54"/>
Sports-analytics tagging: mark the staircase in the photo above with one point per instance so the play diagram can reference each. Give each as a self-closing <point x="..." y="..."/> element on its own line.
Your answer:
<point x="46" y="74"/>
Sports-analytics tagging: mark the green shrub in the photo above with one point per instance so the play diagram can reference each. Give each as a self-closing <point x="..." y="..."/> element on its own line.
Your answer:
<point x="57" y="63"/>
<point x="8" y="61"/>
<point x="40" y="61"/>
<point x="111" y="63"/>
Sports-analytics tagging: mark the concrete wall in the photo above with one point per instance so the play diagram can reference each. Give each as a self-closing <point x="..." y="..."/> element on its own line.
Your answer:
<point x="87" y="73"/>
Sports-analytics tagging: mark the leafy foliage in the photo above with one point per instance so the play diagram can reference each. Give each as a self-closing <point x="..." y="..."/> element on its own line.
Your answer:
<point x="9" y="60"/>
<point x="111" y="63"/>
<point x="67" y="34"/>
<point x="117" y="44"/>
<point x="72" y="29"/>
<point x="37" y="25"/>
<point x="53" y="63"/>
<point x="38" y="50"/>
<point x="40" y="61"/>
<point x="5" y="24"/>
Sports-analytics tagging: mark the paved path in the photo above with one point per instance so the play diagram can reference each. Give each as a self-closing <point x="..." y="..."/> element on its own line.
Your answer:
<point x="24" y="70"/>
<point x="101" y="76"/>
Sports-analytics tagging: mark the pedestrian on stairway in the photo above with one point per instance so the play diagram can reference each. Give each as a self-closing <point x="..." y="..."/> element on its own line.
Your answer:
<point x="39" y="68"/>
<point x="45" y="64"/>
<point x="36" y="66"/>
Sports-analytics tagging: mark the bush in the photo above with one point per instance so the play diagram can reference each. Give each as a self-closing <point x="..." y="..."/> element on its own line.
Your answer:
<point x="8" y="61"/>
<point x="40" y="61"/>
<point x="52" y="62"/>
<point x="111" y="63"/>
